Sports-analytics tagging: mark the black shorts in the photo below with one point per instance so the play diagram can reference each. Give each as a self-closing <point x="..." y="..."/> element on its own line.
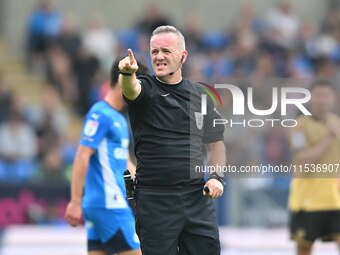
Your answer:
<point x="176" y="222"/>
<point x="306" y="227"/>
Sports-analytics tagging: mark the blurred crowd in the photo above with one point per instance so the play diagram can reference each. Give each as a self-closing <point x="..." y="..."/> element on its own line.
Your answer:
<point x="75" y="61"/>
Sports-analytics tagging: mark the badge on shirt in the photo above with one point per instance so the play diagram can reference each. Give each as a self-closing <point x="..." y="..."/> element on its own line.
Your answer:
<point x="91" y="127"/>
<point x="199" y="120"/>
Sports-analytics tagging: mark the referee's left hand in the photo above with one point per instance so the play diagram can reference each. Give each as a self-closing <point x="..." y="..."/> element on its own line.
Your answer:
<point x="215" y="188"/>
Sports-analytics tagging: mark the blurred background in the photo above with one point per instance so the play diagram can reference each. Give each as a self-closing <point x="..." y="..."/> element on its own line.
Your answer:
<point x="55" y="58"/>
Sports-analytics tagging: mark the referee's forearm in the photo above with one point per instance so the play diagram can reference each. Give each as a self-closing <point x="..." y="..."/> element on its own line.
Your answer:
<point x="217" y="154"/>
<point x="130" y="86"/>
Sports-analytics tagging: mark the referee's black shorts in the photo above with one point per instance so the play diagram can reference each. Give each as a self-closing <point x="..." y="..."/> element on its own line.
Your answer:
<point x="172" y="222"/>
<point x="306" y="227"/>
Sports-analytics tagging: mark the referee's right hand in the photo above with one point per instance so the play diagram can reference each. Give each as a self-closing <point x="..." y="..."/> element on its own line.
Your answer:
<point x="128" y="64"/>
<point x="215" y="189"/>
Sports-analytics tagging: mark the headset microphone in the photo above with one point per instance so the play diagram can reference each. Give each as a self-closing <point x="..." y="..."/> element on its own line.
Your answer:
<point x="179" y="66"/>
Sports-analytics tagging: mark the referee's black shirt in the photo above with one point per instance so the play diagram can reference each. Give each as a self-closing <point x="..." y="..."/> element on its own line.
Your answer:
<point x="168" y="132"/>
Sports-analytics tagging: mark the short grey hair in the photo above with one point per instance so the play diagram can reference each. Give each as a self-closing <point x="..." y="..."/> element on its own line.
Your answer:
<point x="169" y="29"/>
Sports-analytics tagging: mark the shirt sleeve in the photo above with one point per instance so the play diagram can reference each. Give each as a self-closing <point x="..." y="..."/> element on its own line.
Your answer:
<point x="212" y="133"/>
<point x="96" y="126"/>
<point x="145" y="87"/>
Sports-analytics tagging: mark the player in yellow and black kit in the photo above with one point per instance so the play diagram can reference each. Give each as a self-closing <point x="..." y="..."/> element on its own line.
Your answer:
<point x="314" y="199"/>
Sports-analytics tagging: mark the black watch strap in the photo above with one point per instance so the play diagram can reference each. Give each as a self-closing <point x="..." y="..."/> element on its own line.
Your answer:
<point x="217" y="177"/>
<point x="125" y="74"/>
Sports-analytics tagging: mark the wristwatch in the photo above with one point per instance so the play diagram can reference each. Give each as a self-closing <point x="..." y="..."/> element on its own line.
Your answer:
<point x="217" y="177"/>
<point x="125" y="74"/>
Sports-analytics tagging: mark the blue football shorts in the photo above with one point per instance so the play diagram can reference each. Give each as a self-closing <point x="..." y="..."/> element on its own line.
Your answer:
<point x="111" y="230"/>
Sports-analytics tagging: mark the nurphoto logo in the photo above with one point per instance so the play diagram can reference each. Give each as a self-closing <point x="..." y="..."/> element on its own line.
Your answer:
<point x="280" y="98"/>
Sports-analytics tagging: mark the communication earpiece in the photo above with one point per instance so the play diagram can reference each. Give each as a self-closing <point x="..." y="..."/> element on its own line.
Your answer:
<point x="179" y="66"/>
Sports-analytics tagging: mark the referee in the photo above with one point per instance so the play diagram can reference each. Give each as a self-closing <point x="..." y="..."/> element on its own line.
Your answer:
<point x="173" y="213"/>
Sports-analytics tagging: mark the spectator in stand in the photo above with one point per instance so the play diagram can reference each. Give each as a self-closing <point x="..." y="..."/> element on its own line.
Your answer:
<point x="100" y="41"/>
<point x="69" y="38"/>
<point x="85" y="68"/>
<point x="48" y="136"/>
<point x="283" y="25"/>
<point x="59" y="73"/>
<point x="52" y="168"/>
<point x="5" y="99"/>
<point x="44" y="27"/>
<point x="18" y="147"/>
<point x="193" y="33"/>
<point x="50" y="105"/>
<point x="152" y="19"/>
<point x="331" y="22"/>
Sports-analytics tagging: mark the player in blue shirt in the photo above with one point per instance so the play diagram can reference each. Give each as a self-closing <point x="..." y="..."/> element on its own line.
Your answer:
<point x="97" y="187"/>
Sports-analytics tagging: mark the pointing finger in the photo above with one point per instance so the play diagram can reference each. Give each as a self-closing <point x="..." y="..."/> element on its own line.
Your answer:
<point x="131" y="56"/>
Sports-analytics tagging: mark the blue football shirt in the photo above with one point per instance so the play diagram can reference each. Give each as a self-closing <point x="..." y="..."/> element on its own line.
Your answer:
<point x="105" y="130"/>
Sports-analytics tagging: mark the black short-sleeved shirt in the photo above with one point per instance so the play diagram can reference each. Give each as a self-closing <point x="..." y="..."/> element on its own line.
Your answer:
<point x="168" y="132"/>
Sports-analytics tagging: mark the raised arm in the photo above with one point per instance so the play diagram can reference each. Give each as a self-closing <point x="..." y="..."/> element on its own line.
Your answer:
<point x="128" y="67"/>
